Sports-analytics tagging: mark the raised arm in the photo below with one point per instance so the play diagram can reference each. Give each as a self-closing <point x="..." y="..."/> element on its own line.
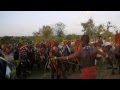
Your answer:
<point x="101" y="53"/>
<point x="76" y="54"/>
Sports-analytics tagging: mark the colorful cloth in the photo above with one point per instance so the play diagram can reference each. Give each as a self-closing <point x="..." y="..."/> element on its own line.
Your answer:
<point x="23" y="52"/>
<point x="89" y="73"/>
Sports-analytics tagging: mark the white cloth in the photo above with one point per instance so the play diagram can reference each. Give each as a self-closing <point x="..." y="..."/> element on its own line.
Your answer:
<point x="98" y="55"/>
<point x="8" y="72"/>
<point x="107" y="43"/>
<point x="95" y="62"/>
<point x="69" y="49"/>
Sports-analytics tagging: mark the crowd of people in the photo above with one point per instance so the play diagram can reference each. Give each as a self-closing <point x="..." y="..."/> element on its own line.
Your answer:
<point x="29" y="54"/>
<point x="80" y="52"/>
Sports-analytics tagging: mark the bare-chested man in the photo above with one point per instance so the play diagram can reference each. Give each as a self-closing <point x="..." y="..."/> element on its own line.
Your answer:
<point x="87" y="57"/>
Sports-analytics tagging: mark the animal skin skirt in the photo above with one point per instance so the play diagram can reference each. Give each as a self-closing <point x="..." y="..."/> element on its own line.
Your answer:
<point x="89" y="73"/>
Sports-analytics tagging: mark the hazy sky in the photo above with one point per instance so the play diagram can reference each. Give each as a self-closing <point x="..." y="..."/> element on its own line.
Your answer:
<point x="24" y="23"/>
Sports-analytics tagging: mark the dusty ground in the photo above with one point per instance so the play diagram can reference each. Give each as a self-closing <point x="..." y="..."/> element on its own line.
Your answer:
<point x="102" y="73"/>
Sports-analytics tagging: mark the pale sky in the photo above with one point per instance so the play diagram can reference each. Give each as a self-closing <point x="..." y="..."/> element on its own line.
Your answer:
<point x="24" y="23"/>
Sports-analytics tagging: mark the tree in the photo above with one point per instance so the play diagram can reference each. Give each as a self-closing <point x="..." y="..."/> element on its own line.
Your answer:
<point x="104" y="31"/>
<point x="47" y="32"/>
<point x="59" y="29"/>
<point x="44" y="34"/>
<point x="69" y="37"/>
<point x="107" y="34"/>
<point x="72" y="37"/>
<point x="6" y="40"/>
<point x="99" y="31"/>
<point x="23" y="40"/>
<point x="89" y="28"/>
<point x="94" y="31"/>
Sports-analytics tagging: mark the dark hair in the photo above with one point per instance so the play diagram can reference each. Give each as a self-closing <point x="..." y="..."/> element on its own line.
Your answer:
<point x="85" y="39"/>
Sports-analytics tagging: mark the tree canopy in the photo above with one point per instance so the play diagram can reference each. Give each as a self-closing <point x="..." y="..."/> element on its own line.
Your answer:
<point x="57" y="32"/>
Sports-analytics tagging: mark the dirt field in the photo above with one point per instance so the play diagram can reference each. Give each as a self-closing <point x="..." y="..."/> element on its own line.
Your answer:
<point x="102" y="73"/>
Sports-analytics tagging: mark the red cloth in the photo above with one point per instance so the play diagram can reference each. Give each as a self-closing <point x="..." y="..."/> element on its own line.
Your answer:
<point x="78" y="48"/>
<point x="77" y="42"/>
<point x="89" y="73"/>
<point x="117" y="39"/>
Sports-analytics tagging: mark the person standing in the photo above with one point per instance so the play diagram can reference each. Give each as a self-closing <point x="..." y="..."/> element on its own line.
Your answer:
<point x="87" y="57"/>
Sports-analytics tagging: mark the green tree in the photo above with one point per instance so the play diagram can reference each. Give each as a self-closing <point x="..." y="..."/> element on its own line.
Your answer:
<point x="94" y="31"/>
<point x="89" y="28"/>
<point x="59" y="29"/>
<point x="108" y="36"/>
<point x="47" y="32"/>
<point x="6" y="39"/>
<point x="44" y="34"/>
<point x="72" y="37"/>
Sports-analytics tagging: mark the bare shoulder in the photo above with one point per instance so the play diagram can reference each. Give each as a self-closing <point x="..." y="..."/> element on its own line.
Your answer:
<point x="94" y="49"/>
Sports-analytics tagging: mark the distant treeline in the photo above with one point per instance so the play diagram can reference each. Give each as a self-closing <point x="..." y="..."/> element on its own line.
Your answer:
<point x="32" y="39"/>
<point x="58" y="32"/>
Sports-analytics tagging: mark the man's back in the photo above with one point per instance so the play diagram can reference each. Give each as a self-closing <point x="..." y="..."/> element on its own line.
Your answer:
<point x="87" y="56"/>
<point x="87" y="60"/>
